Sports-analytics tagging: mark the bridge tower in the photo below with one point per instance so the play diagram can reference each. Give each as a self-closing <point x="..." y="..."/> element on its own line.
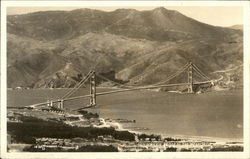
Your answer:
<point x="60" y="104"/>
<point x="92" y="90"/>
<point x="190" y="78"/>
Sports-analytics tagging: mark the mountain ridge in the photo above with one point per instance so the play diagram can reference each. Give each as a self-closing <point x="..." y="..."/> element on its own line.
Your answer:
<point x="143" y="47"/>
<point x="158" y="24"/>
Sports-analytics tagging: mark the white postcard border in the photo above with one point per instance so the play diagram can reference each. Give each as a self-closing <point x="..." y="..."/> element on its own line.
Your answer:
<point x="5" y="154"/>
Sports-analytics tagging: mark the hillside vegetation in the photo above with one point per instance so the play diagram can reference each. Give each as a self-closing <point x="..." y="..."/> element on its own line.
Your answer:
<point x="53" y="49"/>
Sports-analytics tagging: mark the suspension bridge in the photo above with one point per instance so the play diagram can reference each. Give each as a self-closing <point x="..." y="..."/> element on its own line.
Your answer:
<point x="189" y="68"/>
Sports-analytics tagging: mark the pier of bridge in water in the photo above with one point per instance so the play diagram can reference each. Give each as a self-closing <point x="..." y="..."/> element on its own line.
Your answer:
<point x="189" y="68"/>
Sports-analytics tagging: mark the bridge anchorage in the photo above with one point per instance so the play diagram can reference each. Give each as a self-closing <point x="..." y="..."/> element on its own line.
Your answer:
<point x="190" y="68"/>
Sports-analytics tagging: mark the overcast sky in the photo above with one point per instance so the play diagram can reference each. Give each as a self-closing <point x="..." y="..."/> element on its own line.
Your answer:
<point x="219" y="16"/>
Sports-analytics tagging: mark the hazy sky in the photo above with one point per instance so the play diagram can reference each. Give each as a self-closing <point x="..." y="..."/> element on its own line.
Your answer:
<point x="219" y="15"/>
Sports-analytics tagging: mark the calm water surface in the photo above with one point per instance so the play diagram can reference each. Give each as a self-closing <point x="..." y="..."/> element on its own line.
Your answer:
<point x="213" y="114"/>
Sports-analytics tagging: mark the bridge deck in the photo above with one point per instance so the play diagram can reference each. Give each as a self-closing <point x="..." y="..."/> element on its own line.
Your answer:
<point x="123" y="90"/>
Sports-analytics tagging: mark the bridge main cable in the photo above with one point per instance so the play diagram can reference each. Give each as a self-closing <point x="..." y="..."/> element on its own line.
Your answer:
<point x="128" y="89"/>
<point x="175" y="74"/>
<point x="78" y="85"/>
<point x="111" y="92"/>
<point x="200" y="72"/>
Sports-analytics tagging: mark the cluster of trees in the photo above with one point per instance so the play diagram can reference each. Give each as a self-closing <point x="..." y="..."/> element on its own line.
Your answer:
<point x="31" y="128"/>
<point x="185" y="150"/>
<point x="88" y="115"/>
<point x="170" y="149"/>
<point x="231" y="148"/>
<point x="218" y="149"/>
<point x="96" y="148"/>
<point x="152" y="136"/>
<point x="171" y="139"/>
<point x="88" y="148"/>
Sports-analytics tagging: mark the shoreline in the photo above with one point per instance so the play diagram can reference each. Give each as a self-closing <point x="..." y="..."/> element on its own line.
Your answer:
<point x="155" y="141"/>
<point x="184" y="137"/>
<point x="139" y="131"/>
<point x="120" y="127"/>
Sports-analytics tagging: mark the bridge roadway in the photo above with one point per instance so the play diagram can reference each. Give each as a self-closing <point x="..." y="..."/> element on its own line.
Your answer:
<point x="121" y="90"/>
